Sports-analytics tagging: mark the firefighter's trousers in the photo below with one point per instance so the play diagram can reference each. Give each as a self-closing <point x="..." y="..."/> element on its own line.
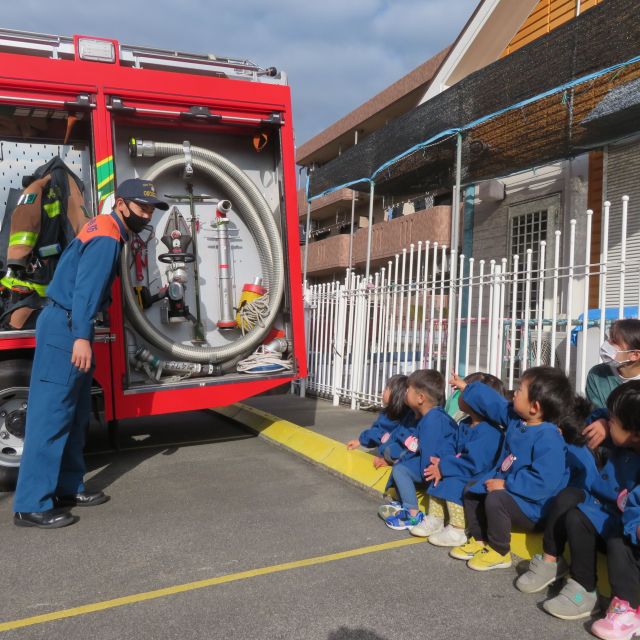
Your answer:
<point x="58" y="414"/>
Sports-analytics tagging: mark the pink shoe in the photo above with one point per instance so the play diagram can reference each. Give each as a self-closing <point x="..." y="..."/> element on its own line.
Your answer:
<point x="621" y="622"/>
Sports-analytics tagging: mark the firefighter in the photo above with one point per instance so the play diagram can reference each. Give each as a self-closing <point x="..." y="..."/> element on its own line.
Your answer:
<point x="52" y="466"/>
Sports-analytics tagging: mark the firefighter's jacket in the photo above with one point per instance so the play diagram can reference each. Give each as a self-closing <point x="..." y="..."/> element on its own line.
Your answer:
<point x="82" y="282"/>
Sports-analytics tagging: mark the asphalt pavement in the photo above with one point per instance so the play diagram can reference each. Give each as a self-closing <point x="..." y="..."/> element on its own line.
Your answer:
<point x="198" y="501"/>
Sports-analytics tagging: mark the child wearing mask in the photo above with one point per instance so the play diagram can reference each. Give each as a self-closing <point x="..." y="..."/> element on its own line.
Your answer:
<point x="598" y="520"/>
<point x="531" y="470"/>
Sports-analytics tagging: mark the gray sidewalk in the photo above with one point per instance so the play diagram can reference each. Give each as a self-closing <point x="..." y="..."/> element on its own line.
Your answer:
<point x="316" y="414"/>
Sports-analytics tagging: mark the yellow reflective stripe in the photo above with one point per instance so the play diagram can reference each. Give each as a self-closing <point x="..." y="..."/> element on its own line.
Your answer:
<point x="10" y="283"/>
<point x="52" y="209"/>
<point x="106" y="181"/>
<point x="27" y="238"/>
<point x="107" y="159"/>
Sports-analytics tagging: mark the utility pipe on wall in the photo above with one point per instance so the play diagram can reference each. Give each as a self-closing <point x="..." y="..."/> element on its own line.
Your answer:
<point x="369" y="230"/>
<point x="353" y="214"/>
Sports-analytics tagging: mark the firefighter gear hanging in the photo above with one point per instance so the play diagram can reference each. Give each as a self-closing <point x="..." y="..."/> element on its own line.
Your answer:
<point x="49" y="213"/>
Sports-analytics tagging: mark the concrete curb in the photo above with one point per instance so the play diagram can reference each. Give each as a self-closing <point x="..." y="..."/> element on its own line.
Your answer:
<point x="355" y="467"/>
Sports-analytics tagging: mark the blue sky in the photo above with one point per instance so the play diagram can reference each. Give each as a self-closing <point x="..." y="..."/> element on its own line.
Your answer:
<point x="337" y="53"/>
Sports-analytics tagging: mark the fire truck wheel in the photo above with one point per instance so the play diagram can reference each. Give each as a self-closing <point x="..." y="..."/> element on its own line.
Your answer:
<point x="14" y="388"/>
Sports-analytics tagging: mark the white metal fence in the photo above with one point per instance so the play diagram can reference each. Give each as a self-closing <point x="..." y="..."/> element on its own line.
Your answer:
<point x="509" y="315"/>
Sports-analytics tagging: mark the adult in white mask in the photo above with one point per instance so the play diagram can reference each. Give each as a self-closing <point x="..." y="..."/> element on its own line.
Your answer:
<point x="620" y="356"/>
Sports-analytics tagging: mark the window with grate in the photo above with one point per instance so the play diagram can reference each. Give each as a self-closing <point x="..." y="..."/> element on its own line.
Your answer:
<point x="531" y="223"/>
<point x="527" y="232"/>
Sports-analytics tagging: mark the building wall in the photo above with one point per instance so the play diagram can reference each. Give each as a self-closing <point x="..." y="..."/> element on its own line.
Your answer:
<point x="622" y="177"/>
<point x="547" y="16"/>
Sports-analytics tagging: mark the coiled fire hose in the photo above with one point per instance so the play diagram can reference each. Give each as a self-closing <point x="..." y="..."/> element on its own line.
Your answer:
<point x="256" y="213"/>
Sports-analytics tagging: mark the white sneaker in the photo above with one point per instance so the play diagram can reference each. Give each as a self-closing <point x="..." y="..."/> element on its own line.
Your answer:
<point x="448" y="537"/>
<point x="429" y="525"/>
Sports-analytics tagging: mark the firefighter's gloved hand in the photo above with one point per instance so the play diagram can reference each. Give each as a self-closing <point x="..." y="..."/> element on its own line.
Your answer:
<point x="81" y="354"/>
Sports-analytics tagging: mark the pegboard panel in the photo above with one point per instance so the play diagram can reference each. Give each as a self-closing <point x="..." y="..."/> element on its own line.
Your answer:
<point x="18" y="159"/>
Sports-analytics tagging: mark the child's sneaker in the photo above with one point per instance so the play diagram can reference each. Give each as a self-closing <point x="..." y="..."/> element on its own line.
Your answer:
<point x="489" y="559"/>
<point x="404" y="520"/>
<point x="541" y="574"/>
<point x="448" y="537"/>
<point x="621" y="622"/>
<point x="467" y="550"/>
<point x="390" y="509"/>
<point x="573" y="602"/>
<point x="429" y="525"/>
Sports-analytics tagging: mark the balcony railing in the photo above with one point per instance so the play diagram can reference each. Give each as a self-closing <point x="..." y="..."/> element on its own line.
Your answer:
<point x="327" y="205"/>
<point x="388" y="238"/>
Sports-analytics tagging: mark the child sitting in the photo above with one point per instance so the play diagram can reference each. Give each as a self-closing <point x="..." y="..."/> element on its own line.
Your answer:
<point x="436" y="437"/>
<point x="598" y="519"/>
<point x="478" y="445"/>
<point x="531" y="470"/>
<point x="623" y="561"/>
<point x="384" y="432"/>
<point x="581" y="462"/>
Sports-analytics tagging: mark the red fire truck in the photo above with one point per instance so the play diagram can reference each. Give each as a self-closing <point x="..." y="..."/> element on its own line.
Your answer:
<point x="208" y="307"/>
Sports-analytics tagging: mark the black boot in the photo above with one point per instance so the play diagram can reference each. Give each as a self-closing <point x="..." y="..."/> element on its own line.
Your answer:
<point x="51" y="519"/>
<point x="81" y="499"/>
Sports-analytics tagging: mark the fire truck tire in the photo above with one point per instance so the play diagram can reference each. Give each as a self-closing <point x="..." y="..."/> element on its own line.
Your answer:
<point x="14" y="388"/>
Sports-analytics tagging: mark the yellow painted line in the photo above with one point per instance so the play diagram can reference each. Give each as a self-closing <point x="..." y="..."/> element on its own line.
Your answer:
<point x="202" y="584"/>
<point x="107" y="159"/>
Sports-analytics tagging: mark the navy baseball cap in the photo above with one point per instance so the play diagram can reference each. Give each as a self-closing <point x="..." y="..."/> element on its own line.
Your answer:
<point x="141" y="191"/>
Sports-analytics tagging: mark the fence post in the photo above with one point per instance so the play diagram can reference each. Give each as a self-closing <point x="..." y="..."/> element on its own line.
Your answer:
<point x="572" y="249"/>
<point x="495" y="321"/>
<point x="604" y="255"/>
<point x="581" y="374"/>
<point x="359" y="336"/>
<point x="554" y="311"/>
<point x="514" y="312"/>
<point x="623" y="255"/>
<point x="340" y="329"/>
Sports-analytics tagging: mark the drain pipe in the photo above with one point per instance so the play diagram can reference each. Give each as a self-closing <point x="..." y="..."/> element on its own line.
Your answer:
<point x="369" y="230"/>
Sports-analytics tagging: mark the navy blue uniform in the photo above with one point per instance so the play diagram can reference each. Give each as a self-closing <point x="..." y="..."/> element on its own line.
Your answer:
<point x="606" y="492"/>
<point x="437" y="435"/>
<point x="533" y="458"/>
<point x="631" y="514"/>
<point x="582" y="466"/>
<point x="59" y="393"/>
<point x="477" y="450"/>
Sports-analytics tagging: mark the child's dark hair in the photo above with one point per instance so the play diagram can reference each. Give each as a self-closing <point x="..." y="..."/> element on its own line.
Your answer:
<point x="551" y="388"/>
<point x="430" y="382"/>
<point x="626" y="332"/>
<point x="396" y="407"/>
<point x="624" y="404"/>
<point x="572" y="424"/>
<point x="486" y="378"/>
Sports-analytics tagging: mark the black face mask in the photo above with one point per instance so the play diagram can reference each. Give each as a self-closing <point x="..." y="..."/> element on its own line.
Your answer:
<point x="135" y="222"/>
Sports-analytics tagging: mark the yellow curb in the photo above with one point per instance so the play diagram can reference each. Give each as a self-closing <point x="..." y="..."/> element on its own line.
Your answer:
<point x="357" y="467"/>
